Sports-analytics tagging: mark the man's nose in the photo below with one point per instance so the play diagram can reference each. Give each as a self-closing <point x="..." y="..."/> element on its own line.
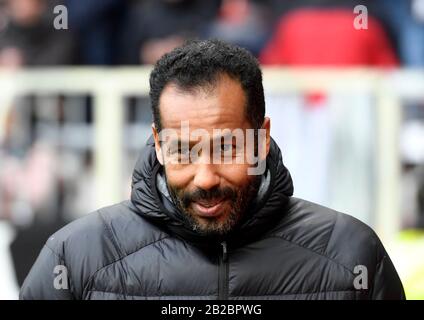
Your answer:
<point x="206" y="176"/>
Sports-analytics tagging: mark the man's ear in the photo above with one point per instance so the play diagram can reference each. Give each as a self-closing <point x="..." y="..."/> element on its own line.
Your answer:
<point x="267" y="126"/>
<point x="158" y="148"/>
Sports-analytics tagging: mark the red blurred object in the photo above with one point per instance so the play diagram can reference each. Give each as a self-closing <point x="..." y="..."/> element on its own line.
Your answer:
<point x="315" y="99"/>
<point x="328" y="37"/>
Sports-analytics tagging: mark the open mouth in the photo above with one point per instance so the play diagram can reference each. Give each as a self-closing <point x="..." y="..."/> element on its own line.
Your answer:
<point x="208" y="209"/>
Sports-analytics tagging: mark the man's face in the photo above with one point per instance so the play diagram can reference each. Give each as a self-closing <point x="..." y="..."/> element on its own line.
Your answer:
<point x="212" y="195"/>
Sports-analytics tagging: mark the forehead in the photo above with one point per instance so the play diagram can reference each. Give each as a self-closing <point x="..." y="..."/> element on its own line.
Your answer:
<point x="221" y="106"/>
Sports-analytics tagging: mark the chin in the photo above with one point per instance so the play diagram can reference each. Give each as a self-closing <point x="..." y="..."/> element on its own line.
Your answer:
<point x="216" y="225"/>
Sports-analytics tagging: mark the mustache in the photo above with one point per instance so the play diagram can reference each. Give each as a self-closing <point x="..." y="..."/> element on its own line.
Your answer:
<point x="225" y="193"/>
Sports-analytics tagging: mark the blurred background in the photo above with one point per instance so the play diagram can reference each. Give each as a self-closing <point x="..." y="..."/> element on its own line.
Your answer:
<point x="346" y="104"/>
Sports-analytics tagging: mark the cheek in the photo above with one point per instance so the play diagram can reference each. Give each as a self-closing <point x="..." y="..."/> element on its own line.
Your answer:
<point x="178" y="176"/>
<point x="235" y="174"/>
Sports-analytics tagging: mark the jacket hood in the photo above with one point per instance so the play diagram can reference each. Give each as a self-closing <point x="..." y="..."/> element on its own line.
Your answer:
<point x="151" y="201"/>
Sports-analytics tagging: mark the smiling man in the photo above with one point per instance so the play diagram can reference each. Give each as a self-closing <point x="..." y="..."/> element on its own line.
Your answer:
<point x="212" y="195"/>
<point x="211" y="214"/>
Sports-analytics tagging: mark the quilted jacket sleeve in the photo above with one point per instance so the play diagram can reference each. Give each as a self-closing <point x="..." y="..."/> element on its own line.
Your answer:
<point x="386" y="284"/>
<point x="48" y="278"/>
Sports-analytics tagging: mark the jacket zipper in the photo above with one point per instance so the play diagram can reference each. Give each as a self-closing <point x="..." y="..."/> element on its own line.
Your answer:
<point x="223" y="273"/>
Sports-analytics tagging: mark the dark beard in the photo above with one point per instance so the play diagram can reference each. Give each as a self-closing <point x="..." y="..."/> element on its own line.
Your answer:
<point x="241" y="201"/>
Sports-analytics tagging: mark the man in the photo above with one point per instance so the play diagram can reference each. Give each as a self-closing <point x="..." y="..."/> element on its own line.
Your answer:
<point x="205" y="221"/>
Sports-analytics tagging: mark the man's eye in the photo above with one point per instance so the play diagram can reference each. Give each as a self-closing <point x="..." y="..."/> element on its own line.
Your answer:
<point x="184" y="151"/>
<point x="177" y="152"/>
<point x="226" y="147"/>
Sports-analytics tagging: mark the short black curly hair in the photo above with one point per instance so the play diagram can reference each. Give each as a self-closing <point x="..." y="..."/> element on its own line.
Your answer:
<point x="199" y="63"/>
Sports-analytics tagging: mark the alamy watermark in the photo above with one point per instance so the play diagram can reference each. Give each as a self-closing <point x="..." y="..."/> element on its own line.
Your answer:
<point x="360" y="282"/>
<point x="223" y="146"/>
<point x="60" y="21"/>
<point x="361" y="19"/>
<point x="60" y="281"/>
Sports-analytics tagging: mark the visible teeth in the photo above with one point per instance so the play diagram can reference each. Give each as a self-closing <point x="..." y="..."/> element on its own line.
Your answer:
<point x="208" y="205"/>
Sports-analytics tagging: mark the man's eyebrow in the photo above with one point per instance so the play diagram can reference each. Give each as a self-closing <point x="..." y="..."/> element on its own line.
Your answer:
<point x="216" y="139"/>
<point x="223" y="137"/>
<point x="179" y="142"/>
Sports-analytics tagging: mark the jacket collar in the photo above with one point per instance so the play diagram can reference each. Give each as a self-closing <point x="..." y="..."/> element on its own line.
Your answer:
<point x="150" y="198"/>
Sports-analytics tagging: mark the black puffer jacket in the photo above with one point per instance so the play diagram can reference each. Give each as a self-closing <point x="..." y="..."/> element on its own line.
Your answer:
<point x="286" y="248"/>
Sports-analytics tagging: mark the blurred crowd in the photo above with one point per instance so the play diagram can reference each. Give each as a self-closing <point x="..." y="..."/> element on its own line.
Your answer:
<point x="46" y="171"/>
<point x="283" y="32"/>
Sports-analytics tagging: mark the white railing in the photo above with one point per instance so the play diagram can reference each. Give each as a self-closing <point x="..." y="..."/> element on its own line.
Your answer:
<point x="108" y="87"/>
